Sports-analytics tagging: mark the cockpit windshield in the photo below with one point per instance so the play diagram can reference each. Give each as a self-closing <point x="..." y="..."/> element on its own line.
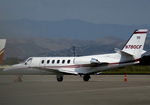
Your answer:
<point x="28" y="61"/>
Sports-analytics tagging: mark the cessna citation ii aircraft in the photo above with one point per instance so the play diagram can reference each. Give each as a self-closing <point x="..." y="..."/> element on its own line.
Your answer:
<point x="84" y="65"/>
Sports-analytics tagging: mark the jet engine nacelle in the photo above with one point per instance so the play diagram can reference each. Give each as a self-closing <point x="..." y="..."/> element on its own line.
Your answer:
<point x="81" y="60"/>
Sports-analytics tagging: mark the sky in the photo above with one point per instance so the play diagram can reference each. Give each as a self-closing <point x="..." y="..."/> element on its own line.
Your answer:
<point x="126" y="12"/>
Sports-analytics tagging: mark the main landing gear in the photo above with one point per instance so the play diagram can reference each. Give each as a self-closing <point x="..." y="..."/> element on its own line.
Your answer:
<point x="86" y="77"/>
<point x="59" y="78"/>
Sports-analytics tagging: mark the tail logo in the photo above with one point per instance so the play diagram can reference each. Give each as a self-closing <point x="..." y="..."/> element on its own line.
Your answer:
<point x="133" y="46"/>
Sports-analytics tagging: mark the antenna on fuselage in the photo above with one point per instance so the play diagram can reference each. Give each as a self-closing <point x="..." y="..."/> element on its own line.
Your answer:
<point x="74" y="50"/>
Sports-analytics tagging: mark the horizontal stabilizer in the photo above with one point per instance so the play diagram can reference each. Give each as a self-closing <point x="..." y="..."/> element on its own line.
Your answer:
<point x="143" y="51"/>
<point x="123" y="52"/>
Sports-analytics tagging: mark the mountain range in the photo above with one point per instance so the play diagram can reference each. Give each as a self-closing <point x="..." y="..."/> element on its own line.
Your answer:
<point x="27" y="38"/>
<point x="23" y="48"/>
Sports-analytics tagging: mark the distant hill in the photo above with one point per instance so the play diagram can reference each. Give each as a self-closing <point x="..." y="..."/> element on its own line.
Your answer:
<point x="25" y="47"/>
<point x="74" y="29"/>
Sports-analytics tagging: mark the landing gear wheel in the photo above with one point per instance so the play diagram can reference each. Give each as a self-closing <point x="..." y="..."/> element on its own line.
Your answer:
<point x="86" y="77"/>
<point x="59" y="78"/>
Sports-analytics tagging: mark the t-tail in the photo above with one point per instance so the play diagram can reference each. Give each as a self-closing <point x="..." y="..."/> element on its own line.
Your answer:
<point x="2" y="48"/>
<point x="135" y="44"/>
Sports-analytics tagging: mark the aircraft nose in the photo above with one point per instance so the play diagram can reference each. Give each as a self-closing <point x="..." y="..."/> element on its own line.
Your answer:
<point x="14" y="67"/>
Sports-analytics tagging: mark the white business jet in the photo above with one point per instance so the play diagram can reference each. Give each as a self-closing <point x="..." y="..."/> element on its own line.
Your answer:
<point x="84" y="65"/>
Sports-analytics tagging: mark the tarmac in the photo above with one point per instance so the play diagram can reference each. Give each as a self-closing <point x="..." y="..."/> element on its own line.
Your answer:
<point x="100" y="90"/>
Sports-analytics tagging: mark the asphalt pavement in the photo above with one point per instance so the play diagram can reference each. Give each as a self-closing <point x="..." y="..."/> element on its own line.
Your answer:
<point x="100" y="90"/>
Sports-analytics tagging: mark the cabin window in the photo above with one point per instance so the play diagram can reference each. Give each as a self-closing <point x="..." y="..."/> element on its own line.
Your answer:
<point x="68" y="61"/>
<point x="63" y="61"/>
<point x="58" y="61"/>
<point x="42" y="61"/>
<point x="48" y="61"/>
<point x="53" y="61"/>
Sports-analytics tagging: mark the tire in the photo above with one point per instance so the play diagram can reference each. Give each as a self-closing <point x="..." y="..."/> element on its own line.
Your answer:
<point x="86" y="77"/>
<point x="59" y="78"/>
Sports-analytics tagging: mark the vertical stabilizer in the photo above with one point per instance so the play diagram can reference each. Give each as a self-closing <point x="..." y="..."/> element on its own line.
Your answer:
<point x="2" y="48"/>
<point x="135" y="44"/>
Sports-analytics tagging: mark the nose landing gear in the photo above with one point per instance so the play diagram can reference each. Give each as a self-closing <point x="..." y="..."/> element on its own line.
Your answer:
<point x="59" y="78"/>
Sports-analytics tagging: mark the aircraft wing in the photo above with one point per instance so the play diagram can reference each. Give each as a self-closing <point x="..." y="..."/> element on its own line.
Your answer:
<point x="49" y="70"/>
<point x="54" y="71"/>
